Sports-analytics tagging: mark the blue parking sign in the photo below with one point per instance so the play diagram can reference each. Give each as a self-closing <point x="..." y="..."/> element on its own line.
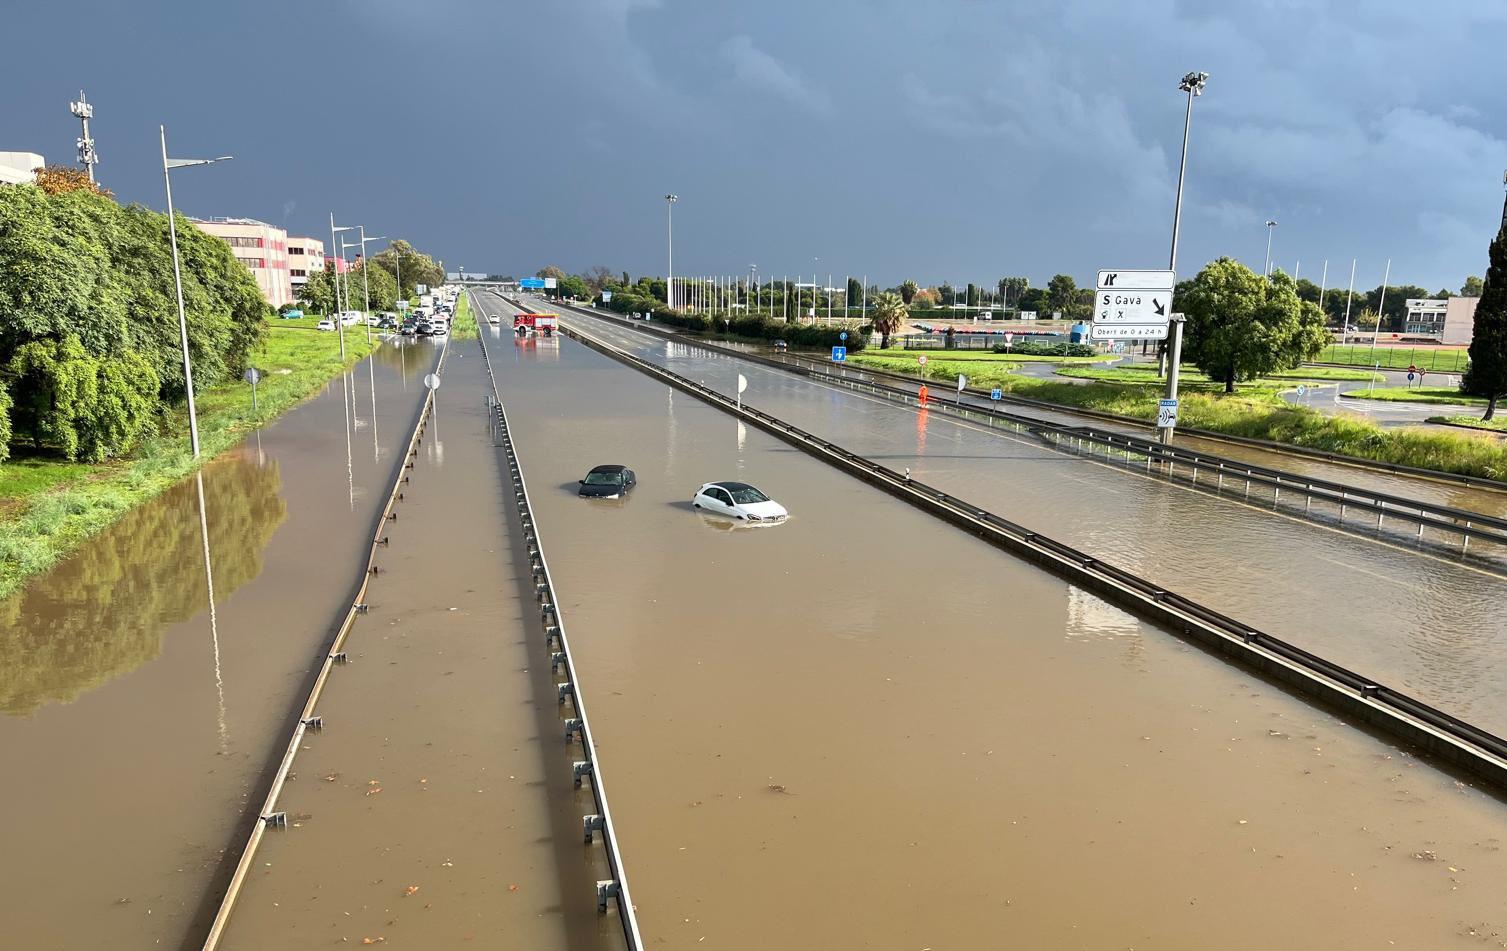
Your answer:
<point x="996" y="394"/>
<point x="839" y="354"/>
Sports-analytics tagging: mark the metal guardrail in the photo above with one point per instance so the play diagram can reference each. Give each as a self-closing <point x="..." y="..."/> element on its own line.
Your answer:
<point x="1464" y="523"/>
<point x="614" y="889"/>
<point x="334" y="654"/>
<point x="1360" y="697"/>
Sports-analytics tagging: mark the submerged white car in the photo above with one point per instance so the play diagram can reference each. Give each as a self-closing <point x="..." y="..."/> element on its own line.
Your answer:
<point x="738" y="500"/>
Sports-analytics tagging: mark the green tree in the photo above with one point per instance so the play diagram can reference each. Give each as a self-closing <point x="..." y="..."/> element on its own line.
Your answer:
<point x="571" y="285"/>
<point x="1472" y="287"/>
<point x="1487" y="375"/>
<point x="1011" y="289"/>
<point x="946" y="295"/>
<point x="1308" y="290"/>
<point x="318" y="293"/>
<point x="971" y="295"/>
<point x="855" y="291"/>
<point x="416" y="267"/>
<point x="5" y="407"/>
<point x="1365" y="319"/>
<point x="908" y="290"/>
<point x="889" y="313"/>
<point x="379" y="284"/>
<point x="88" y="408"/>
<point x="1241" y="325"/>
<point x="1062" y="295"/>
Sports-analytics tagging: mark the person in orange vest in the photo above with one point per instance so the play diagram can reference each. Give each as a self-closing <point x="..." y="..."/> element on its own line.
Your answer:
<point x="923" y="394"/>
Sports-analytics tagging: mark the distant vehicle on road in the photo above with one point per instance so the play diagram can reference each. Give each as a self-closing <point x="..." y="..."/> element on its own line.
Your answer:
<point x="291" y="314"/>
<point x="494" y="319"/>
<point x="541" y="323"/>
<point x="781" y="346"/>
<point x="350" y="317"/>
<point x="326" y="324"/>
<point x="386" y="323"/>
<point x="424" y="329"/>
<point x="607" y="482"/>
<point x="738" y="500"/>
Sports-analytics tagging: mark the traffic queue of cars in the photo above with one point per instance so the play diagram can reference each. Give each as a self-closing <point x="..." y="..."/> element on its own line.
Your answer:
<point x="430" y="319"/>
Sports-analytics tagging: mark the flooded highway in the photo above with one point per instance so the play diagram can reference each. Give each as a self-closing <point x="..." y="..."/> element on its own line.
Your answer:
<point x="1428" y="625"/>
<point x="436" y="806"/>
<point x="862" y="728"/>
<point x="146" y="680"/>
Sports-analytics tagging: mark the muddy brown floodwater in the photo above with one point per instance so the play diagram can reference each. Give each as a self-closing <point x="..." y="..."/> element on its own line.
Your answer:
<point x="139" y="705"/>
<point x="1415" y="619"/>
<point x="436" y="809"/>
<point x="863" y="728"/>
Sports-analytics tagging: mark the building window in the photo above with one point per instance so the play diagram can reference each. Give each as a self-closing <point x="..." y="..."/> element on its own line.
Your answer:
<point x="237" y="241"/>
<point x="254" y="262"/>
<point x="295" y="249"/>
<point x="296" y="272"/>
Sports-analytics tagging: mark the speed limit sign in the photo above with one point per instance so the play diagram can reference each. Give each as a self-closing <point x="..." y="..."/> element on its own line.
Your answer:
<point x="923" y="359"/>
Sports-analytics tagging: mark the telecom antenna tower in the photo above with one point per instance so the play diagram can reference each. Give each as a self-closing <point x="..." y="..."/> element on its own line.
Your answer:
<point x="86" y="154"/>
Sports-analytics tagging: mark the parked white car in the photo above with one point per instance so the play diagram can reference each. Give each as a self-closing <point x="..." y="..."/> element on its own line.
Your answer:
<point x="326" y="324"/>
<point x="350" y="317"/>
<point x="738" y="500"/>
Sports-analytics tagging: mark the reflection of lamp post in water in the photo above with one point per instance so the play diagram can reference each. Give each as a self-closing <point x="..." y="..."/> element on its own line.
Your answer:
<point x="350" y="475"/>
<point x="214" y="624"/>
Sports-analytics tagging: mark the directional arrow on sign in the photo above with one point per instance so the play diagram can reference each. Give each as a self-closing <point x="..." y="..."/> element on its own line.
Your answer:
<point x="1156" y="304"/>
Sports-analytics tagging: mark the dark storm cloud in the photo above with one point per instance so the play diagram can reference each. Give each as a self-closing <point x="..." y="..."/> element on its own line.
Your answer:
<point x="941" y="141"/>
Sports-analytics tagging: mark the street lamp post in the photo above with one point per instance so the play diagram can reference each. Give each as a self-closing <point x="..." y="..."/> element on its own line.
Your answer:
<point x="335" y="278"/>
<point x="1270" y="227"/>
<point x="670" y="201"/>
<point x="1193" y="84"/>
<point x="366" y="295"/>
<point x="172" y="230"/>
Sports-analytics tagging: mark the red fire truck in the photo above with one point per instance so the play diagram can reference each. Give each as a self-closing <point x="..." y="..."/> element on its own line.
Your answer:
<point x="528" y="325"/>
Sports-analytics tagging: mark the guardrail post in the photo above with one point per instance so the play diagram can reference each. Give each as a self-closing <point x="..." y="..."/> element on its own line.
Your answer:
<point x="606" y="889"/>
<point x="591" y="824"/>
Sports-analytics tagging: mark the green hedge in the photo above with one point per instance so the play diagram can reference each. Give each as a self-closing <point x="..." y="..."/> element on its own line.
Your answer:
<point x="1036" y="348"/>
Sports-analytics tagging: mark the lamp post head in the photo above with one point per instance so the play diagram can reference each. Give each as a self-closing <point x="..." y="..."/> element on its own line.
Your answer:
<point x="1194" y="83"/>
<point x="1270" y="223"/>
<point x="672" y="199"/>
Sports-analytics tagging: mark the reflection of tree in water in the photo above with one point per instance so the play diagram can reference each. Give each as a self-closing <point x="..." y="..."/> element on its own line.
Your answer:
<point x="102" y="612"/>
<point x="409" y="357"/>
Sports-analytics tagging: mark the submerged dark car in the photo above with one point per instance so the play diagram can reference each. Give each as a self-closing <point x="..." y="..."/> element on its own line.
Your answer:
<point x="607" y="482"/>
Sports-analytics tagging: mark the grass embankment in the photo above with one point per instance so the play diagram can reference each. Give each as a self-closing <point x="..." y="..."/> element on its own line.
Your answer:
<point x="49" y="506"/>
<point x="1256" y="415"/>
<point x="1497" y="425"/>
<point x="463" y="326"/>
<point x="1417" y="394"/>
<point x="1396" y="358"/>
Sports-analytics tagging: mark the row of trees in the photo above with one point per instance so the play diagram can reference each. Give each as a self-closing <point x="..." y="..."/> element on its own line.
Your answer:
<point x="90" y="359"/>
<point x="376" y="276"/>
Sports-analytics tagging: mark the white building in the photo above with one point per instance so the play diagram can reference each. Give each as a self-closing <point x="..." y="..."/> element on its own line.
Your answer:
<point x="1460" y="320"/>
<point x="305" y="257"/>
<point x="18" y="168"/>
<point x="1425" y="317"/>
<point x="263" y="248"/>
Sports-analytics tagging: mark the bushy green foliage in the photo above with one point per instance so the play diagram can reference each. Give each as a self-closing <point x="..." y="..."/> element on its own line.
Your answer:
<point x="1241" y="325"/>
<point x="5" y="407"/>
<point x="88" y="316"/>
<point x="1488" y="347"/>
<point x="1042" y="348"/>
<point x="633" y="300"/>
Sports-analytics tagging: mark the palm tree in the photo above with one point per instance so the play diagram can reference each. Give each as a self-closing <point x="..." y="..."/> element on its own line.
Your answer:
<point x="890" y="313"/>
<point x="908" y="292"/>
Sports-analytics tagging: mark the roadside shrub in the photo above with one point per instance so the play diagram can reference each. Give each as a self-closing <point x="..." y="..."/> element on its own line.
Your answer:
<point x="1040" y="348"/>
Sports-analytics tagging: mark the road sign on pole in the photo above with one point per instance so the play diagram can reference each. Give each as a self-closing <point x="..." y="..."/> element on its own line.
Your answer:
<point x="996" y="394"/>
<point x="1166" y="414"/>
<point x="432" y="381"/>
<point x="1132" y="305"/>
<point x="962" y="382"/>
<point x="922" y="359"/>
<point x="839" y="354"/>
<point x="252" y="375"/>
<point x="843" y="335"/>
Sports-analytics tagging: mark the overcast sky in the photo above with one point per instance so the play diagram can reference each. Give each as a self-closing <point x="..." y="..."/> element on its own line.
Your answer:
<point x="948" y="140"/>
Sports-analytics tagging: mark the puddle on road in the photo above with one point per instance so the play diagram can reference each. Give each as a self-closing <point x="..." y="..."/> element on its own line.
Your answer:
<point x="863" y="728"/>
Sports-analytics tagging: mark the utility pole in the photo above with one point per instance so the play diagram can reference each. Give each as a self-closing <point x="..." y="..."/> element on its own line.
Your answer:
<point x="1270" y="227"/>
<point x="1192" y="84"/>
<point x="84" y="110"/>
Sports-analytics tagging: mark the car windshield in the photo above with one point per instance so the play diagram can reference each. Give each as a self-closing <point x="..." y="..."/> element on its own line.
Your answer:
<point x="604" y="478"/>
<point x="748" y="495"/>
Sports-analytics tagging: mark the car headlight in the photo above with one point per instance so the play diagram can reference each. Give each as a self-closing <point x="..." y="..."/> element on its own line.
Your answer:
<point x="753" y="518"/>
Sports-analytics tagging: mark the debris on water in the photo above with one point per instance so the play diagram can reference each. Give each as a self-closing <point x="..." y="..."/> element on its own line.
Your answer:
<point x="1426" y="855"/>
<point x="513" y="887"/>
<point x="777" y="788"/>
<point x="410" y="890"/>
<point x="377" y="940"/>
<point x="374" y="790"/>
<point x="122" y="901"/>
<point x="448" y="864"/>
